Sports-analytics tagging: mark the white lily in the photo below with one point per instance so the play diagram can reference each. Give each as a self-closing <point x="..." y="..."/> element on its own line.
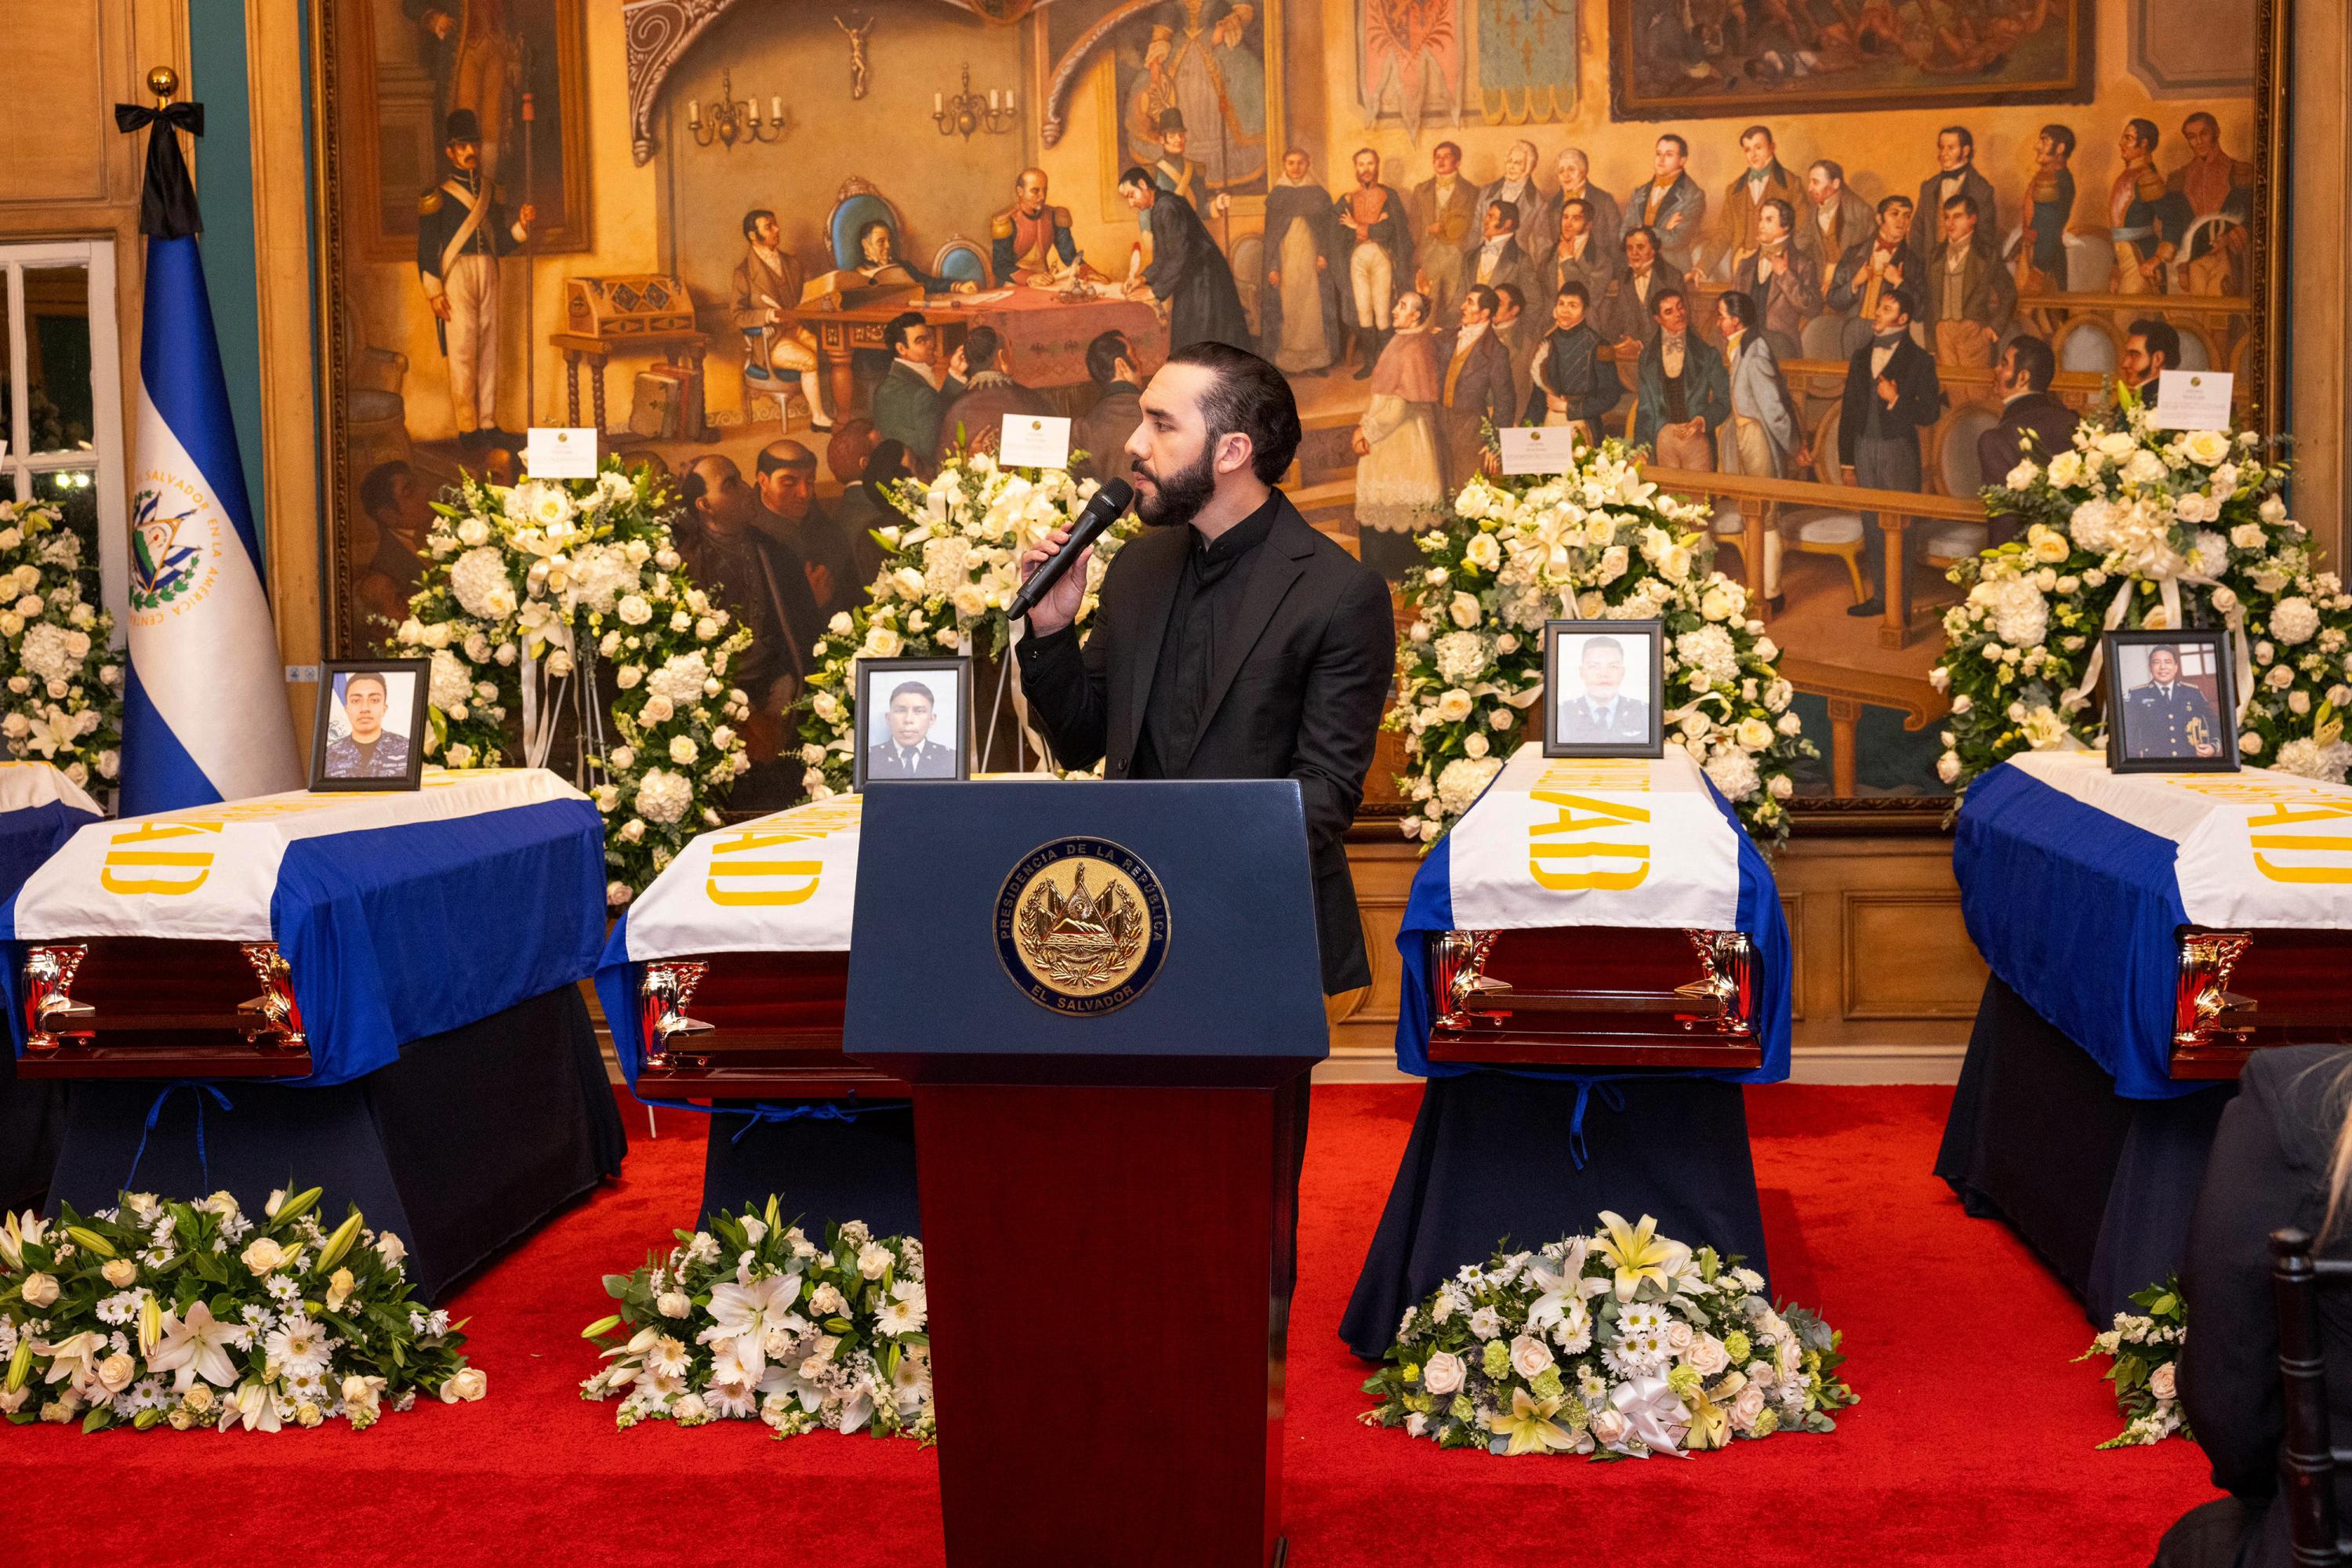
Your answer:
<point x="252" y="1404"/>
<point x="15" y="1236"/>
<point x="196" y="1346"/>
<point x="77" y="1358"/>
<point x="744" y="1314"/>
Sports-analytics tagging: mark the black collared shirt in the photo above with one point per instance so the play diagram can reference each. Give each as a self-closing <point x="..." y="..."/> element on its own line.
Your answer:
<point x="1209" y="593"/>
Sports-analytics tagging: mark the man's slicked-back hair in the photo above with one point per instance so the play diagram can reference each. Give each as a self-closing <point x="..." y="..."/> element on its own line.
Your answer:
<point x="1250" y="398"/>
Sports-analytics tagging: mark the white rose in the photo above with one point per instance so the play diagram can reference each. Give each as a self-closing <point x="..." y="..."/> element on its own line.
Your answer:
<point x="2206" y="449"/>
<point x="472" y="531"/>
<point x="2273" y="511"/>
<point x="1530" y="1356"/>
<point x="1609" y="1426"/>
<point x="115" y="1373"/>
<point x="1482" y="551"/>
<point x="263" y="1255"/>
<point x="658" y="710"/>
<point x="633" y="610"/>
<point x="874" y="1261"/>
<point x="1707" y="1355"/>
<point x="1947" y="767"/>
<point x="468" y="1384"/>
<point x="1442" y="1373"/>
<point x="2162" y="1382"/>
<point x="120" y="1272"/>
<point x="1465" y="610"/>
<point x="39" y="1289"/>
<point x="683" y="751"/>
<point x="1474" y="744"/>
<point x="672" y="1304"/>
<point x="882" y="642"/>
<point x="1455" y="706"/>
<point x="1754" y="734"/>
<point x="2115" y="443"/>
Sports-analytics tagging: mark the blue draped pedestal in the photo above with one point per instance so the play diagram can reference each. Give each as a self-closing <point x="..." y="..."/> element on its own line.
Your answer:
<point x="462" y="1146"/>
<point x="2098" y="1184"/>
<point x="32" y="1114"/>
<point x="1491" y="1156"/>
<point x="822" y="1169"/>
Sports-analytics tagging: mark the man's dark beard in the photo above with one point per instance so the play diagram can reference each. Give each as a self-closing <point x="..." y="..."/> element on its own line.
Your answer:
<point x="1177" y="498"/>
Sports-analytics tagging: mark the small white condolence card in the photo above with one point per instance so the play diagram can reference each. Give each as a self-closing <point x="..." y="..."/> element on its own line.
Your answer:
<point x="1546" y="449"/>
<point x="1034" y="441"/>
<point x="559" y="452"/>
<point x="2192" y="400"/>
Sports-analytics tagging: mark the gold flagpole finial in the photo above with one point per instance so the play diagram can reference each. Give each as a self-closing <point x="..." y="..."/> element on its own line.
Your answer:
<point x="163" y="81"/>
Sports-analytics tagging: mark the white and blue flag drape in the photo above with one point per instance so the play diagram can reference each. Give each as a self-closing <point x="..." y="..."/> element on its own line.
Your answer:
<point x="1568" y="841"/>
<point x="401" y="913"/>
<point x="204" y="713"/>
<point x="2076" y="882"/>
<point x="40" y="808"/>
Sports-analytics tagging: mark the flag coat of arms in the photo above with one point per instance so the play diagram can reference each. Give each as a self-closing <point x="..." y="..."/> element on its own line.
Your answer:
<point x="204" y="713"/>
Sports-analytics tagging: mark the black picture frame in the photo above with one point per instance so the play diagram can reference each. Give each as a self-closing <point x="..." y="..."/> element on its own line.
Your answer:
<point x="2223" y="698"/>
<point x="866" y="672"/>
<point x="334" y="677"/>
<point x="1558" y="638"/>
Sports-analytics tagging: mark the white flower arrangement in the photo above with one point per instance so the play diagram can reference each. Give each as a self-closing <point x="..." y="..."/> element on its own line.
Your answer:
<point x="2145" y="1349"/>
<point x="1621" y="1344"/>
<point x="2138" y="527"/>
<point x="63" y="677"/>
<point x="948" y="573"/>
<point x="1597" y="543"/>
<point x="192" y="1314"/>
<point x="749" y="1318"/>
<point x="543" y="581"/>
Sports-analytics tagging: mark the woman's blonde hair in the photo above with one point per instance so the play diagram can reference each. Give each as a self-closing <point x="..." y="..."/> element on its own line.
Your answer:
<point x="2338" y="1102"/>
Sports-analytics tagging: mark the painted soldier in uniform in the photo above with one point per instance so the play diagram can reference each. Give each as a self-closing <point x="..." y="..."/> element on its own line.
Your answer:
<point x="2147" y="219"/>
<point x="1182" y="177"/>
<point x="369" y="750"/>
<point x="1029" y="242"/>
<point x="2167" y="717"/>
<point x="461" y="231"/>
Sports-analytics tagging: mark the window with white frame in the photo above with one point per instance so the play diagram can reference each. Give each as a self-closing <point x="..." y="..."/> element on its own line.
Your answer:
<point x="61" y="397"/>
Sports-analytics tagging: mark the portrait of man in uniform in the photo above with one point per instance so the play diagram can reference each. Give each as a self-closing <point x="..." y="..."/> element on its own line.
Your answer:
<point x="1603" y="678"/>
<point x="912" y="714"/>
<point x="462" y="231"/>
<point x="367" y="727"/>
<point x="2167" y="694"/>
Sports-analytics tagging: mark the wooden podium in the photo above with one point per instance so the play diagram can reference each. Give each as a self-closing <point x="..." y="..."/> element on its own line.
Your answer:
<point x="1106" y="1168"/>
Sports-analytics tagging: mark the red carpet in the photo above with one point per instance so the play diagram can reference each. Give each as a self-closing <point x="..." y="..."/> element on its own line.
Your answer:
<point x="1973" y="1443"/>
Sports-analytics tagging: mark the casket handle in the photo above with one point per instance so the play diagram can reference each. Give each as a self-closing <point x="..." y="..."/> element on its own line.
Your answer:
<point x="50" y="1010"/>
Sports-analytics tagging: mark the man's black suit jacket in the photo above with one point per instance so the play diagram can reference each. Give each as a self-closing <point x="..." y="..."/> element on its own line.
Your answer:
<point x="2050" y="423"/>
<point x="1297" y="692"/>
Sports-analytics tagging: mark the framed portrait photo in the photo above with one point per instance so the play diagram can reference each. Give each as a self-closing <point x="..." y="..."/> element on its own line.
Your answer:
<point x="370" y="732"/>
<point x="914" y="719"/>
<point x="2172" y="703"/>
<point x="1604" y="688"/>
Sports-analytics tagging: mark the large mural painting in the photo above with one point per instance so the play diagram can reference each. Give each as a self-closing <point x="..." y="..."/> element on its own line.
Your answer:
<point x="706" y="225"/>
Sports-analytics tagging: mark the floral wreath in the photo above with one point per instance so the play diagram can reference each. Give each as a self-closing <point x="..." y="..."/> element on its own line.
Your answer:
<point x="2142" y="528"/>
<point x="526" y="588"/>
<point x="1597" y="543"/>
<point x="64" y="700"/>
<point x="948" y="573"/>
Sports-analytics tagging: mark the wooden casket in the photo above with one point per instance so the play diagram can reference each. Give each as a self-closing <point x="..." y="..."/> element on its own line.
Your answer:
<point x="2239" y="991"/>
<point x="127" y="1006"/>
<point x="751" y="1026"/>
<point x="1595" y="996"/>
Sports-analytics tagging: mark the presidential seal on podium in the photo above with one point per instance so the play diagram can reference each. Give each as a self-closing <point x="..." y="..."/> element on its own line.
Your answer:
<point x="1082" y="925"/>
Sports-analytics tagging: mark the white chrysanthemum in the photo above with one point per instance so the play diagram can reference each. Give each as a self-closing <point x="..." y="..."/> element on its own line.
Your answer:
<point x="662" y="796"/>
<point x="1464" y="780"/>
<point x="2293" y="620"/>
<point x="2308" y="759"/>
<point x="1709" y="651"/>
<point x="478" y="581"/>
<point x="1461" y="656"/>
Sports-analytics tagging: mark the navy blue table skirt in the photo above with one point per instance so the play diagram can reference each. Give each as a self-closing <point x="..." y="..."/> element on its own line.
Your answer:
<point x="2101" y="1186"/>
<point x="822" y="1169"/>
<point x="1490" y="1157"/>
<point x="32" y="1119"/>
<point x="462" y="1147"/>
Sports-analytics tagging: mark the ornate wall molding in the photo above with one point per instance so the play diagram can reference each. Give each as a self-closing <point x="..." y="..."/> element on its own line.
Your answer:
<point x="657" y="34"/>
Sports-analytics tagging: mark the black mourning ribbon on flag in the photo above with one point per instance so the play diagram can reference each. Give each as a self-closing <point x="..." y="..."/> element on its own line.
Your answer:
<point x="167" y="207"/>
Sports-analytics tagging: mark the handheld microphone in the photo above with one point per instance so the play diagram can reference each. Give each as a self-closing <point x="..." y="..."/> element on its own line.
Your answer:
<point x="1109" y="503"/>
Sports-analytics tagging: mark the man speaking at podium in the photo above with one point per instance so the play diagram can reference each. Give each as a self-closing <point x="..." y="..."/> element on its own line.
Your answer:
<point x="1232" y="640"/>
